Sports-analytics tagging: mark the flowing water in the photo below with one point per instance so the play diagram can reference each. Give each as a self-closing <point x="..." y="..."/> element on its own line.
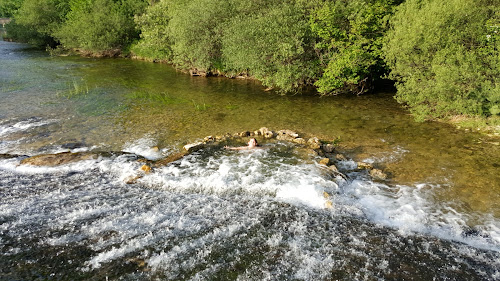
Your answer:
<point x="227" y="215"/>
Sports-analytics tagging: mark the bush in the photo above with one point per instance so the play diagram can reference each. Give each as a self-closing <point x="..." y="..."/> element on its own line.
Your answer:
<point x="155" y="42"/>
<point x="284" y="44"/>
<point x="100" y="25"/>
<point x="9" y="7"/>
<point x="273" y="43"/>
<point x="445" y="57"/>
<point x="195" y="29"/>
<point x="36" y="21"/>
<point x="349" y="43"/>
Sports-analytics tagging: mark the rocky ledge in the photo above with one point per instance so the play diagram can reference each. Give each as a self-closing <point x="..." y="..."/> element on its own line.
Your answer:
<point x="321" y="151"/>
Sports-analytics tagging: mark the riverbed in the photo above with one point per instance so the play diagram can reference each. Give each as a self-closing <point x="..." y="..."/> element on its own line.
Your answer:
<point x="224" y="215"/>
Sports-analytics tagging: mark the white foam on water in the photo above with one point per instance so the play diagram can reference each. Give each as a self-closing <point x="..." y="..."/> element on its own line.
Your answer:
<point x="413" y="209"/>
<point x="181" y="214"/>
<point x="145" y="147"/>
<point x="247" y="173"/>
<point x="24" y="125"/>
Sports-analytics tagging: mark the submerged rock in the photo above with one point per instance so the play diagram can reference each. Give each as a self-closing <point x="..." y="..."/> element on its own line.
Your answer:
<point x="8" y="156"/>
<point x="73" y="145"/>
<point x="58" y="158"/>
<point x="171" y="158"/>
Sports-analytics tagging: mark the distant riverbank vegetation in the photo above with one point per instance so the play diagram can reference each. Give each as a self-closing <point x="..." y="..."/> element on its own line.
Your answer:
<point x="444" y="56"/>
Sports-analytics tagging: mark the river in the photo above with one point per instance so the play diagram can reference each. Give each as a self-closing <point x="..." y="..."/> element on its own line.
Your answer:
<point x="226" y="215"/>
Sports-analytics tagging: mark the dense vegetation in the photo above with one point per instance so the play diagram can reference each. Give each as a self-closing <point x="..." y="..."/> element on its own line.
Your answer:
<point x="9" y="7"/>
<point x="443" y="55"/>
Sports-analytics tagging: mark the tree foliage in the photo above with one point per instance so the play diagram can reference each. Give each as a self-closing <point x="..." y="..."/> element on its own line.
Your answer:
<point x="445" y="57"/>
<point x="100" y="25"/>
<point x="155" y="42"/>
<point x="36" y="20"/>
<point x="273" y="44"/>
<point x="9" y="7"/>
<point x="349" y="43"/>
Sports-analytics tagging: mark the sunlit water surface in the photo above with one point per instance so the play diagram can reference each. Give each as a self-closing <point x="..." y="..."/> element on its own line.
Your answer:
<point x="217" y="214"/>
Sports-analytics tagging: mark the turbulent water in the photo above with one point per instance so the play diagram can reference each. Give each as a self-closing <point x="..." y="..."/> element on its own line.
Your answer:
<point x="267" y="214"/>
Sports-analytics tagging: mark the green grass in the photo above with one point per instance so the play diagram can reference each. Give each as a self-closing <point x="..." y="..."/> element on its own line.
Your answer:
<point x="75" y="89"/>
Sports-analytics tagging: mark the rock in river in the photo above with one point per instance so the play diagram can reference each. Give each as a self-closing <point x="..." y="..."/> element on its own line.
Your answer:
<point x="58" y="158"/>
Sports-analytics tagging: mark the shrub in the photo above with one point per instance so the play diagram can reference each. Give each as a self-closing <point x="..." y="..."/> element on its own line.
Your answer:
<point x="273" y="43"/>
<point x="195" y="28"/>
<point x="349" y="43"/>
<point x="9" y="7"/>
<point x="445" y="57"/>
<point x="36" y="21"/>
<point x="155" y="42"/>
<point x="100" y="25"/>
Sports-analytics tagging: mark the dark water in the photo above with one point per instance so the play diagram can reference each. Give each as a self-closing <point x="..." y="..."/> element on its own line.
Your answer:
<point x="219" y="215"/>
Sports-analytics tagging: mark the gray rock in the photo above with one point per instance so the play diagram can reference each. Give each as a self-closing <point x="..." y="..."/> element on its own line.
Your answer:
<point x="328" y="147"/>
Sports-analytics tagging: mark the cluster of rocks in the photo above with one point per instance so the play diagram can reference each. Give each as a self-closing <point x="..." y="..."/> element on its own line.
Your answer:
<point x="323" y="150"/>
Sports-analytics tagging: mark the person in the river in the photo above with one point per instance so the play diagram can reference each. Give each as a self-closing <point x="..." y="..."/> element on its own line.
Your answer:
<point x="252" y="143"/>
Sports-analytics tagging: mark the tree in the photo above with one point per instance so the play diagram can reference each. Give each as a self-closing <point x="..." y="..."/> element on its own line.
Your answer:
<point x="445" y="57"/>
<point x="9" y="7"/>
<point x="100" y="25"/>
<point x="155" y="42"/>
<point x="273" y="43"/>
<point x="349" y="41"/>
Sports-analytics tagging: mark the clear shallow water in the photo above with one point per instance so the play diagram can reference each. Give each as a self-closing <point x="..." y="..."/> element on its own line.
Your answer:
<point x="226" y="215"/>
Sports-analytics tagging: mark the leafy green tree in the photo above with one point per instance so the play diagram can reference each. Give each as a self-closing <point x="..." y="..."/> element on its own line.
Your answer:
<point x="100" y="25"/>
<point x="155" y="42"/>
<point x="445" y="56"/>
<point x="272" y="42"/>
<point x="349" y="43"/>
<point x="37" y="20"/>
<point x="195" y="28"/>
<point x="9" y="7"/>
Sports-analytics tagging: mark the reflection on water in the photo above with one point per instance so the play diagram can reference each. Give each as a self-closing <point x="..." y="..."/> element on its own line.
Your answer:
<point x="444" y="183"/>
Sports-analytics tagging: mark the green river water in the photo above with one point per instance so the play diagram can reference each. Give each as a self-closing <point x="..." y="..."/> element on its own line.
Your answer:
<point x="120" y="104"/>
